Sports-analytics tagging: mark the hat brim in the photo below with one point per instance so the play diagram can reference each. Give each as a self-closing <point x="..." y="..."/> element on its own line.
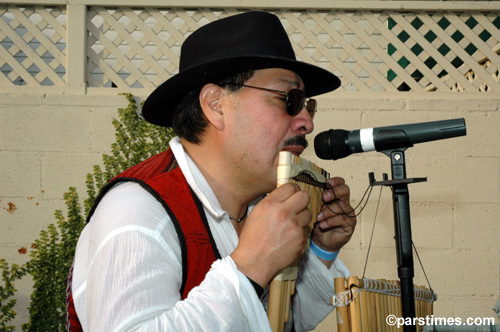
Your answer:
<point x="159" y="106"/>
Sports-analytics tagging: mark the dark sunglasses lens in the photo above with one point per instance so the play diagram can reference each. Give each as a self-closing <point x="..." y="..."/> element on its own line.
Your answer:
<point x="311" y="107"/>
<point x="296" y="100"/>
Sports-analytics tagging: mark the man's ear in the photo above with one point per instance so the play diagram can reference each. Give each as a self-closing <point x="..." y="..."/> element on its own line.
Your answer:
<point x="210" y="101"/>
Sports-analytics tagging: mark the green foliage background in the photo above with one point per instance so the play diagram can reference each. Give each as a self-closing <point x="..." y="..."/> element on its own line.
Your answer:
<point x="52" y="254"/>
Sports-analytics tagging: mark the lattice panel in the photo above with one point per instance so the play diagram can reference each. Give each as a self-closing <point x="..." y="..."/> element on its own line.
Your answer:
<point x="32" y="45"/>
<point x="138" y="48"/>
<point x="369" y="50"/>
<point x="459" y="51"/>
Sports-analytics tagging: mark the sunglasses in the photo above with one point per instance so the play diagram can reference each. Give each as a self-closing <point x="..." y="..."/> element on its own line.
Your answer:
<point x="296" y="99"/>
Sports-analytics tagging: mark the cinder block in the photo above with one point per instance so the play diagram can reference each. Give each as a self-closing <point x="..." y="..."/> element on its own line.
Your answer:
<point x="10" y="253"/>
<point x="368" y="101"/>
<point x="431" y="225"/>
<point x="101" y="98"/>
<point x="454" y="102"/>
<point x="102" y="131"/>
<point x="483" y="135"/>
<point x="15" y="99"/>
<point x="382" y="263"/>
<point x="456" y="180"/>
<point x="21" y="173"/>
<point x="64" y="170"/>
<point x="45" y="128"/>
<point x="462" y="273"/>
<point x="476" y="226"/>
<point x="383" y="233"/>
<point x="328" y="118"/>
<point x="444" y="306"/>
<point x="21" y="225"/>
<point x="475" y="307"/>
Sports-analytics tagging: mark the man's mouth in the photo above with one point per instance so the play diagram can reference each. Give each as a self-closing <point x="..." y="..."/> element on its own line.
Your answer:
<point x="296" y="145"/>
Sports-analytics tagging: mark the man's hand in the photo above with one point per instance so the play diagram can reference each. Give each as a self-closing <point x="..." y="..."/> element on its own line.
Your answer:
<point x="333" y="229"/>
<point x="274" y="234"/>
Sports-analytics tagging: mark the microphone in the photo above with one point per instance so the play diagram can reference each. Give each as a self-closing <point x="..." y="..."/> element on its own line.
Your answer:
<point x="338" y="143"/>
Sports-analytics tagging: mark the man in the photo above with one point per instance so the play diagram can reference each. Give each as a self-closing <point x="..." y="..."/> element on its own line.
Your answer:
<point x="189" y="240"/>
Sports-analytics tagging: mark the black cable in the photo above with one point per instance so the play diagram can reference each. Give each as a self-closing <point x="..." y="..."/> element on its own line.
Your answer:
<point x="373" y="231"/>
<point x="348" y="214"/>
<point x="309" y="178"/>
<point x="423" y="270"/>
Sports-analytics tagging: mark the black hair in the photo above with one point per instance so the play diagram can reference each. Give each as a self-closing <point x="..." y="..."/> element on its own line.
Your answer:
<point x="189" y="120"/>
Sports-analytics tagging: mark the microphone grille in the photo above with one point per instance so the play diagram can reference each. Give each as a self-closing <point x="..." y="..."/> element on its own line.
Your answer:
<point x="332" y="144"/>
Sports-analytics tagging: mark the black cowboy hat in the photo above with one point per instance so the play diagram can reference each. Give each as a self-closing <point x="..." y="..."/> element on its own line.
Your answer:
<point x="248" y="41"/>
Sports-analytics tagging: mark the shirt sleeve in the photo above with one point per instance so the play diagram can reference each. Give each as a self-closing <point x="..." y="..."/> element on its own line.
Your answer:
<point x="128" y="272"/>
<point x="314" y="289"/>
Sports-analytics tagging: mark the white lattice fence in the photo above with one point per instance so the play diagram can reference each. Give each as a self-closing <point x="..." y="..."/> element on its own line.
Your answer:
<point x="371" y="50"/>
<point x="33" y="44"/>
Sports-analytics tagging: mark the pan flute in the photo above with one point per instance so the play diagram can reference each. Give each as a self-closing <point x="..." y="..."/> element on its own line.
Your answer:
<point x="363" y="304"/>
<point x="311" y="179"/>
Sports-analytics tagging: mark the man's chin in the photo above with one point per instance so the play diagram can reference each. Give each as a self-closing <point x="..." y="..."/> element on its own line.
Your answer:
<point x="295" y="150"/>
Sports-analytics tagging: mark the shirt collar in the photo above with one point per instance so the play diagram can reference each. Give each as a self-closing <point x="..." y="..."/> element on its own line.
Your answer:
<point x="196" y="180"/>
<point x="198" y="183"/>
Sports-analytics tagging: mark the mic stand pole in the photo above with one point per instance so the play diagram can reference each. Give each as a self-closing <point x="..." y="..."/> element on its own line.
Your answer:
<point x="402" y="227"/>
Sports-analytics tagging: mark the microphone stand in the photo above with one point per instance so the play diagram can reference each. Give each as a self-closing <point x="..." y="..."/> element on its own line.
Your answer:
<point x="402" y="228"/>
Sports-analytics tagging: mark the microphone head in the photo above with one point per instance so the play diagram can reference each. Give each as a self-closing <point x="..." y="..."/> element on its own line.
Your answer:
<point x="332" y="144"/>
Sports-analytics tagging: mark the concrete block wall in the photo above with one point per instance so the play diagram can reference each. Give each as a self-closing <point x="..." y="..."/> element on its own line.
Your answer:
<point x="49" y="142"/>
<point x="455" y="214"/>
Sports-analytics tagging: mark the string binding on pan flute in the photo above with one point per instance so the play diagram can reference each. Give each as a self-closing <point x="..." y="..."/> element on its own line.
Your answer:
<point x="312" y="179"/>
<point x="363" y="304"/>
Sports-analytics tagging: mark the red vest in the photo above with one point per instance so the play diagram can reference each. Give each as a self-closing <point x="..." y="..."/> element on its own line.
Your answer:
<point x="161" y="177"/>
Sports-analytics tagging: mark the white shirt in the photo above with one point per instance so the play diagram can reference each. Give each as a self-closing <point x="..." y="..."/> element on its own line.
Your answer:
<point x="128" y="270"/>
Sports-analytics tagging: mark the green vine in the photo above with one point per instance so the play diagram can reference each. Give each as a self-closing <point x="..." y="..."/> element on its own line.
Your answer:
<point x="52" y="254"/>
<point x="7" y="291"/>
